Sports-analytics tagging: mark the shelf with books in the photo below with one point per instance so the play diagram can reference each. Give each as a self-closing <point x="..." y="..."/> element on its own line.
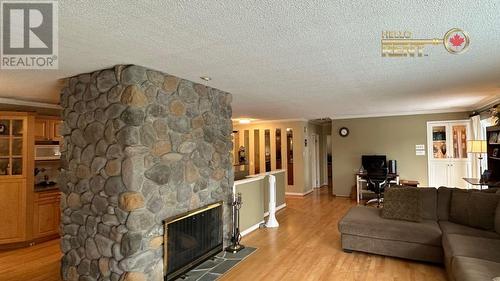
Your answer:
<point x="493" y="151"/>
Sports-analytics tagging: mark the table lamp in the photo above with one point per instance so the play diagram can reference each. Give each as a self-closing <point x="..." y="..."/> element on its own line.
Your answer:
<point x="477" y="147"/>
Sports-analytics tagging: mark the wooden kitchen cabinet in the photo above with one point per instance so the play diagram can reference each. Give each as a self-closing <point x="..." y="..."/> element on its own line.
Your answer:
<point x="12" y="211"/>
<point x="41" y="129"/>
<point x="47" y="128"/>
<point x="26" y="217"/>
<point x="46" y="214"/>
<point x="16" y="164"/>
<point x="55" y="126"/>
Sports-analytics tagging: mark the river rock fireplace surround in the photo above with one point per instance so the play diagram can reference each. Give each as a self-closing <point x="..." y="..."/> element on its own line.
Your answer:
<point x="140" y="147"/>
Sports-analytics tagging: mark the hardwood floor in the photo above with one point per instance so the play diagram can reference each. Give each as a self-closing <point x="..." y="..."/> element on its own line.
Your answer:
<point x="306" y="246"/>
<point x="37" y="263"/>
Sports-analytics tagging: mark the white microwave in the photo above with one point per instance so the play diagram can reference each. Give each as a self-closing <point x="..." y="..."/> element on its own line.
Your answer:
<point x="47" y="152"/>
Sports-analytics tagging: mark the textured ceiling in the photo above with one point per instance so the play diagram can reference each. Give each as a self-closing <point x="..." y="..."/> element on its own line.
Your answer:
<point x="284" y="59"/>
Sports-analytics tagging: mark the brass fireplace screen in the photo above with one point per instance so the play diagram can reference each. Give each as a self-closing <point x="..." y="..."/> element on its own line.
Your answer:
<point x="191" y="238"/>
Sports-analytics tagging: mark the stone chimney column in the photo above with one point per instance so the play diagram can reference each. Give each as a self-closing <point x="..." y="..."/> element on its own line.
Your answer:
<point x="139" y="146"/>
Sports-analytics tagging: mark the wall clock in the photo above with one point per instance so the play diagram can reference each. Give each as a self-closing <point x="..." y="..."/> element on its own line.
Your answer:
<point x="343" y="132"/>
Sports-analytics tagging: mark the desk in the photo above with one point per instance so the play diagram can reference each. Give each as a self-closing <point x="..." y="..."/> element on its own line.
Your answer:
<point x="360" y="178"/>
<point x="478" y="182"/>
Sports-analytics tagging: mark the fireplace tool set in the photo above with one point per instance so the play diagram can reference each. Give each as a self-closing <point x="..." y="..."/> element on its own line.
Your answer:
<point x="236" y="236"/>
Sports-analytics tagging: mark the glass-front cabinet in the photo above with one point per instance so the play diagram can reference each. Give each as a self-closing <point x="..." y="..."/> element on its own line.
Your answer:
<point x="448" y="160"/>
<point x="12" y="146"/>
<point x="16" y="183"/>
<point x="439" y="142"/>
<point x="449" y="141"/>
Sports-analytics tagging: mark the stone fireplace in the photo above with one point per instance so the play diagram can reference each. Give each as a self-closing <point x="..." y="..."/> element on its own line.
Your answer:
<point x="191" y="238"/>
<point x="140" y="146"/>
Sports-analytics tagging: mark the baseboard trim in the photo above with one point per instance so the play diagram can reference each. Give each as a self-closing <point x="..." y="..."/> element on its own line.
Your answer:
<point x="298" y="193"/>
<point x="277" y="209"/>
<point x="251" y="228"/>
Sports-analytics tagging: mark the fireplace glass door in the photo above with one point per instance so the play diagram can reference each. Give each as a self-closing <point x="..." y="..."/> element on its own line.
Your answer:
<point x="192" y="238"/>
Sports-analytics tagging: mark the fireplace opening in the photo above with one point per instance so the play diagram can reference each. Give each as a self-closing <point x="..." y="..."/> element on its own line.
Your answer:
<point x="192" y="238"/>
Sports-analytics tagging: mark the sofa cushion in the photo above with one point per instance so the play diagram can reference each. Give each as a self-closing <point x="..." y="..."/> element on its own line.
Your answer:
<point x="443" y="204"/>
<point x="402" y="203"/>
<point x="469" y="246"/>
<point x="472" y="269"/>
<point x="448" y="227"/>
<point x="428" y="195"/>
<point x="497" y="219"/>
<point x="476" y="209"/>
<point x="367" y="222"/>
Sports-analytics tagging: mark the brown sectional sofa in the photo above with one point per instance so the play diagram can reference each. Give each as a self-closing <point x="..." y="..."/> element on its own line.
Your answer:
<point x="469" y="254"/>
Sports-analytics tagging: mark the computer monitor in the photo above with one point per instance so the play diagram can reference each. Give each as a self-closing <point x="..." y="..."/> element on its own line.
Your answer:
<point x="373" y="162"/>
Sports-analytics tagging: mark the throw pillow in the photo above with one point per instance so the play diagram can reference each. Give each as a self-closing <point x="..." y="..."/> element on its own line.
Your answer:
<point x="402" y="203"/>
<point x="475" y="209"/>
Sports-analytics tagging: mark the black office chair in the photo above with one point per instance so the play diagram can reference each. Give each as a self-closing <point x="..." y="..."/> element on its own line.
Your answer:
<point x="377" y="180"/>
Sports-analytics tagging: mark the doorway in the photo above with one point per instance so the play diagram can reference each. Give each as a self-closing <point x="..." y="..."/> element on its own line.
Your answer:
<point x="314" y="153"/>
<point x="319" y="147"/>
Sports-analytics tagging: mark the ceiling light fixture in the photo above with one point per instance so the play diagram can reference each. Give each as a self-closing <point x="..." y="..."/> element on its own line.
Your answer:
<point x="244" y="121"/>
<point x="206" y="78"/>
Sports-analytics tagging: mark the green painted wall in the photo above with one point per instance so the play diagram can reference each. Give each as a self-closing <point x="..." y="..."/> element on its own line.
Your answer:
<point x="394" y="136"/>
<point x="252" y="210"/>
<point x="255" y="197"/>
<point x="280" y="190"/>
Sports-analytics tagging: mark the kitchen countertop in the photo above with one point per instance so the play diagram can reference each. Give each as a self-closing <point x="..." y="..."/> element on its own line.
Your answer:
<point x="46" y="188"/>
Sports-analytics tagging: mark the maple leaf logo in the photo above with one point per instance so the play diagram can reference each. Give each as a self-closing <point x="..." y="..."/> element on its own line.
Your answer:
<point x="457" y="40"/>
